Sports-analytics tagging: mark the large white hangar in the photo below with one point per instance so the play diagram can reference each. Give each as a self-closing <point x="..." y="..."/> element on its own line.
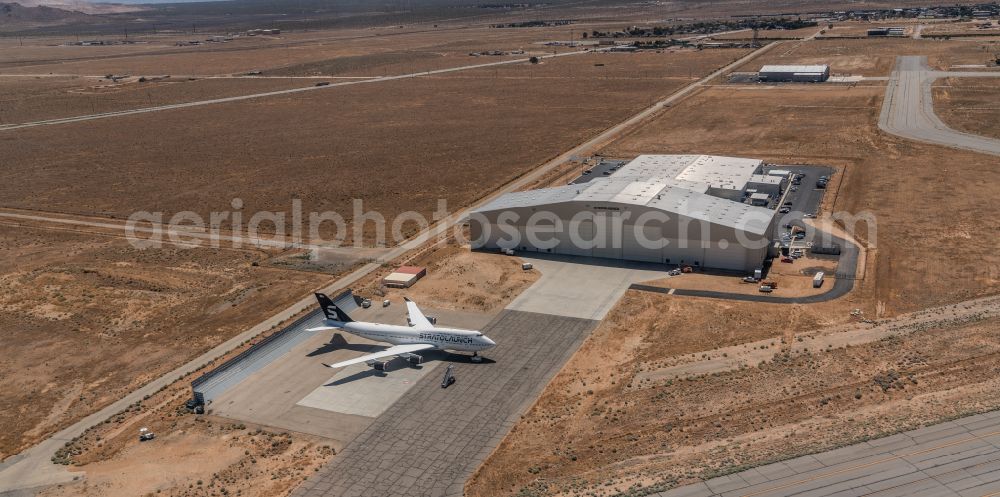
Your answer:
<point x="671" y="209"/>
<point x="796" y="73"/>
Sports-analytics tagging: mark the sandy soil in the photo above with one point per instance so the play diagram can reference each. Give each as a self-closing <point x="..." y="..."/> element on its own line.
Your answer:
<point x="961" y="28"/>
<point x="454" y="137"/>
<point x="969" y="104"/>
<point x="873" y="57"/>
<point x="85" y="319"/>
<point x="205" y="455"/>
<point x="374" y="52"/>
<point x="770" y="34"/>
<point x="34" y="99"/>
<point x="460" y="279"/>
<point x="599" y="430"/>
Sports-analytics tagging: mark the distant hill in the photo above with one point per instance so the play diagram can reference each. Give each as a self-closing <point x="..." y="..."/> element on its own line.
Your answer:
<point x="17" y="14"/>
<point x="82" y="6"/>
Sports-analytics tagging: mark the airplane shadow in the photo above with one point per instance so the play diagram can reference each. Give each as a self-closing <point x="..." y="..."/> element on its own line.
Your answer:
<point x="338" y="342"/>
<point x="357" y="376"/>
<point x="398" y="364"/>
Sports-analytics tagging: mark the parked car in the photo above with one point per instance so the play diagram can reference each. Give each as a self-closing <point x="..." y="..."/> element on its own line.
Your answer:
<point x="787" y="259"/>
<point x="785" y="210"/>
<point x="588" y="171"/>
<point x="810" y="216"/>
<point x="788" y="203"/>
<point x="766" y="289"/>
<point x="323" y="83"/>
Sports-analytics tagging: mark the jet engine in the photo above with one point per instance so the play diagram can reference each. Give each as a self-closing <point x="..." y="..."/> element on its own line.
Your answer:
<point x="379" y="365"/>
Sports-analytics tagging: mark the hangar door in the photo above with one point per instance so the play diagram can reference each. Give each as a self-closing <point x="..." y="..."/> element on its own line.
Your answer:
<point x="608" y="229"/>
<point x="584" y="230"/>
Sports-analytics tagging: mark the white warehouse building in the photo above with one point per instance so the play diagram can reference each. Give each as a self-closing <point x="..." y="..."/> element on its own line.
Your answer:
<point x="797" y="73"/>
<point x="671" y="209"/>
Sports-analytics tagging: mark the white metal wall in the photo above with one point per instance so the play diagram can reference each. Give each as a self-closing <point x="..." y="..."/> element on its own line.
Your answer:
<point x="680" y="248"/>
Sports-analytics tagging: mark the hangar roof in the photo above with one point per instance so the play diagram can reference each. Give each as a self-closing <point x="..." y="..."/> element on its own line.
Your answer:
<point x="713" y="171"/>
<point x="671" y="183"/>
<point x="795" y="68"/>
<point x="766" y="179"/>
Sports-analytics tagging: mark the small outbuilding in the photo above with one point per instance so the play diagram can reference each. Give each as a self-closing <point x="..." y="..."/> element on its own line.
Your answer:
<point x="404" y="277"/>
<point x="760" y="199"/>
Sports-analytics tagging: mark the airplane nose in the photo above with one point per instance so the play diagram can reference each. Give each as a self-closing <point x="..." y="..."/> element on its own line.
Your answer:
<point x="490" y="341"/>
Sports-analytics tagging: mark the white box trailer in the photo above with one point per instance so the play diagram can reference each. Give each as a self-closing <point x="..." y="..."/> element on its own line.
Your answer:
<point x="818" y="279"/>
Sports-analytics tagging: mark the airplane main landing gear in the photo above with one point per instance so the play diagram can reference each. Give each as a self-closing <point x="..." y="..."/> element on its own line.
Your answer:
<point x="476" y="357"/>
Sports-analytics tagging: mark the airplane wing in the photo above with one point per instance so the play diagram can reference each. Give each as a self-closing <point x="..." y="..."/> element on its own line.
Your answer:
<point x="391" y="351"/>
<point x="417" y="318"/>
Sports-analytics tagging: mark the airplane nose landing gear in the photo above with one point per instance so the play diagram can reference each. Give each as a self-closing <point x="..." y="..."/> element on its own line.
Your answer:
<point x="476" y="357"/>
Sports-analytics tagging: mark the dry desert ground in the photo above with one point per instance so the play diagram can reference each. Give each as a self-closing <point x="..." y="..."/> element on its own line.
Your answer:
<point x="88" y="317"/>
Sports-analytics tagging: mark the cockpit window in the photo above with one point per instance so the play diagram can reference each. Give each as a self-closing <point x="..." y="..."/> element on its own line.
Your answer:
<point x="479" y="334"/>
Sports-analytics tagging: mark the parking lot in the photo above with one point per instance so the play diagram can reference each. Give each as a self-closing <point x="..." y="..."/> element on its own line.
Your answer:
<point x="800" y="200"/>
<point x="604" y="168"/>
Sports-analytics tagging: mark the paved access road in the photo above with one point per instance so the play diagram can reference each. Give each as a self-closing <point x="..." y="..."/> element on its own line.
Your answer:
<point x="432" y="439"/>
<point x="846" y="273"/>
<point x="957" y="458"/>
<point x="908" y="108"/>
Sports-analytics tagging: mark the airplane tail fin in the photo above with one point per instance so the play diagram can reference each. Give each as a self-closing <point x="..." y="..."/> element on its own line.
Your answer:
<point x="334" y="309"/>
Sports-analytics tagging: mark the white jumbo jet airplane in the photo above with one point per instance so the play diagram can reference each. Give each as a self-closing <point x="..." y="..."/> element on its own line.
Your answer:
<point x="421" y="334"/>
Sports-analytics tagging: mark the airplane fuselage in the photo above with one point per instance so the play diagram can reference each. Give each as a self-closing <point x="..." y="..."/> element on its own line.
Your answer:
<point x="442" y="338"/>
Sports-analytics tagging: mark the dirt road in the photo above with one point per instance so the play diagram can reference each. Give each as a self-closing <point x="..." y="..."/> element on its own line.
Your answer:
<point x="105" y="115"/>
<point x="753" y="353"/>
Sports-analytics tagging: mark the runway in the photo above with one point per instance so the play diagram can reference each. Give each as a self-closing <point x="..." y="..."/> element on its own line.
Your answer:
<point x="908" y="107"/>
<point x="957" y="458"/>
